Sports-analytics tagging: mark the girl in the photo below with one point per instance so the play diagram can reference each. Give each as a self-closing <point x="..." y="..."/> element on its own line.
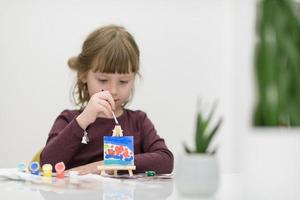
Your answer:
<point x="106" y="70"/>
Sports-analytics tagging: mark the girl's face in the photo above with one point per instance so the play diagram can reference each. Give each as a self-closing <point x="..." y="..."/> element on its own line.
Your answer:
<point x="119" y="85"/>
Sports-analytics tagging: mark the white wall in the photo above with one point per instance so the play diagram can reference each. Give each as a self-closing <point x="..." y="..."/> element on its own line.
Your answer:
<point x="187" y="51"/>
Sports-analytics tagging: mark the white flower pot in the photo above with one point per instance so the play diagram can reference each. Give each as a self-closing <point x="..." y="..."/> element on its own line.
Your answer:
<point x="197" y="174"/>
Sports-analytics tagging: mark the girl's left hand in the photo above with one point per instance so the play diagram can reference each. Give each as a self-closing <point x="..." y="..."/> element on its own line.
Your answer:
<point x="90" y="168"/>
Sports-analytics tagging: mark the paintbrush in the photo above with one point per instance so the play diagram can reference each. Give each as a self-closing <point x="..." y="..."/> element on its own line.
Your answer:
<point x="114" y="117"/>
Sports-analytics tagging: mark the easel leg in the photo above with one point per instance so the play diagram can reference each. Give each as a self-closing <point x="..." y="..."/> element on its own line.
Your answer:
<point x="115" y="172"/>
<point x="130" y="172"/>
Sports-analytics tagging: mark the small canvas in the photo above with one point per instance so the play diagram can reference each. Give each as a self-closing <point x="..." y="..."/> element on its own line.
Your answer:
<point x="118" y="150"/>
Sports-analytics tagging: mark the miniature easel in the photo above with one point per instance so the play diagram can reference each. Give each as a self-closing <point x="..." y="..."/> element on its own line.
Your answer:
<point x="117" y="132"/>
<point x="115" y="168"/>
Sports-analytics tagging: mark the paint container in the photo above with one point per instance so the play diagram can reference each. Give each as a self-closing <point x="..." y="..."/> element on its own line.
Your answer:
<point x="21" y="167"/>
<point x="47" y="170"/>
<point x="34" y="168"/>
<point x="60" y="170"/>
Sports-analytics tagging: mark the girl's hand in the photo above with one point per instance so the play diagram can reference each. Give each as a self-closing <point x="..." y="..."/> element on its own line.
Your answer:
<point x="90" y="168"/>
<point x="100" y="104"/>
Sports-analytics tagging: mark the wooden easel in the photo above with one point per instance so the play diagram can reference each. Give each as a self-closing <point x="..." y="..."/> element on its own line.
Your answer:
<point x="117" y="132"/>
<point x="115" y="168"/>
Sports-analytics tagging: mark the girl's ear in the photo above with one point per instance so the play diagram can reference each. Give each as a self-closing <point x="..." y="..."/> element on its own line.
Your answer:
<point x="83" y="77"/>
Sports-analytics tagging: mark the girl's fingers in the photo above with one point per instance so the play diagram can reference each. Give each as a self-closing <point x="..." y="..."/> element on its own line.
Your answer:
<point x="104" y="107"/>
<point x="108" y="97"/>
<point x="88" y="168"/>
<point x="81" y="170"/>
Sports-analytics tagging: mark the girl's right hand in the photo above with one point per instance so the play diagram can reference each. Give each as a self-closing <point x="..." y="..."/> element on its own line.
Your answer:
<point x="91" y="168"/>
<point x="100" y="104"/>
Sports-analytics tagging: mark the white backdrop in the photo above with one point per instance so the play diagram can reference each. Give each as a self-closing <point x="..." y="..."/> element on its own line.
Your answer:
<point x="187" y="51"/>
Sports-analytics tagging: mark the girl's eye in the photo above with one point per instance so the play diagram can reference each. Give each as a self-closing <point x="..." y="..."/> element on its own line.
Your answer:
<point x="124" y="82"/>
<point x="102" y="80"/>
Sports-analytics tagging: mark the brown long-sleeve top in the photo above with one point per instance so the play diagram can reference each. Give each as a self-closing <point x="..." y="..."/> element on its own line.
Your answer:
<point x="64" y="142"/>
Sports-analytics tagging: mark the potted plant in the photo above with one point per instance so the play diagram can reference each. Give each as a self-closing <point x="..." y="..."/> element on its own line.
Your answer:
<point x="197" y="170"/>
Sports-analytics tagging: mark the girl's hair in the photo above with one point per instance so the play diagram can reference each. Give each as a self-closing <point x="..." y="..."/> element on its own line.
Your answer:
<point x="109" y="49"/>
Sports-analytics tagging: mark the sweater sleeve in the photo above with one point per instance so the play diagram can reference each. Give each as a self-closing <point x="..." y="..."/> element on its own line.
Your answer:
<point x="156" y="156"/>
<point x="64" y="140"/>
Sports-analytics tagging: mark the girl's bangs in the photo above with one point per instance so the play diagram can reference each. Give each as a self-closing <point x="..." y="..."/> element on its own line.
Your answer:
<point x="116" y="58"/>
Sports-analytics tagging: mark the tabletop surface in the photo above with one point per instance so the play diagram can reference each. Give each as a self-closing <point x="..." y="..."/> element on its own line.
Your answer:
<point x="232" y="186"/>
<point x="17" y="185"/>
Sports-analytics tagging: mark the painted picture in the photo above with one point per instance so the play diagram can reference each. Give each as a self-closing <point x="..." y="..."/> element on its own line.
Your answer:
<point x="118" y="150"/>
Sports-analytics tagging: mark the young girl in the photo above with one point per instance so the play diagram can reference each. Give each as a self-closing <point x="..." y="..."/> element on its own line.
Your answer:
<point x="106" y="70"/>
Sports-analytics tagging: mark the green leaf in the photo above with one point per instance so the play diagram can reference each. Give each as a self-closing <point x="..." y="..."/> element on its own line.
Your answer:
<point x="212" y="134"/>
<point x="200" y="127"/>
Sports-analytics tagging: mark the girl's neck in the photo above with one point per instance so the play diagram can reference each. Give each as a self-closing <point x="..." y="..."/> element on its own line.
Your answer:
<point x="119" y="111"/>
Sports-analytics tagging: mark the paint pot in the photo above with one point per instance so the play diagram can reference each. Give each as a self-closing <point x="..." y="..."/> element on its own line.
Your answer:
<point x="60" y="170"/>
<point x="21" y="167"/>
<point x="47" y="169"/>
<point x="34" y="168"/>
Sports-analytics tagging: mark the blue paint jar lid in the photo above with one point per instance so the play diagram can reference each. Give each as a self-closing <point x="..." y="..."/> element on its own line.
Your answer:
<point x="34" y="166"/>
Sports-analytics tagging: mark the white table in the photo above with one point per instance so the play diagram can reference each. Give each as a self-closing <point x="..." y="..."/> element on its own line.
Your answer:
<point x="16" y="185"/>
<point x="232" y="186"/>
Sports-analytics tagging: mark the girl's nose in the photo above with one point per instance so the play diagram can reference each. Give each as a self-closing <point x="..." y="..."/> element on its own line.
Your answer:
<point x="113" y="89"/>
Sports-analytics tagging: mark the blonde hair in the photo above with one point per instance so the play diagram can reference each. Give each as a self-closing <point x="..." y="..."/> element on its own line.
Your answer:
<point x="109" y="49"/>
